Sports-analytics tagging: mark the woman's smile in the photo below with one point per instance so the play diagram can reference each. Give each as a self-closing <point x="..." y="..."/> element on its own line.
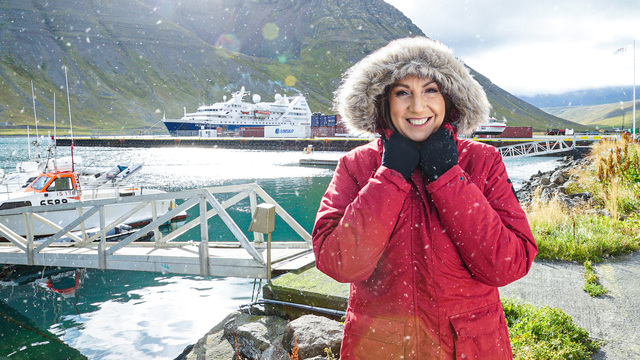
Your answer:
<point x="419" y="121"/>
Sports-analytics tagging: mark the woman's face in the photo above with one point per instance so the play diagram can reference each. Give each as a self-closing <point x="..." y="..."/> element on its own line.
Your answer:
<point x="417" y="107"/>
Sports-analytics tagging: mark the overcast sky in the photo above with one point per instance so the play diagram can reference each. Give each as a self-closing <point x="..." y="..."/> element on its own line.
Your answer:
<point x="530" y="47"/>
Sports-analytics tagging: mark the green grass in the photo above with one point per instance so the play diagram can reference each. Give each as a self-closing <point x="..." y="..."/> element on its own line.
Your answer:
<point x="587" y="238"/>
<point x="591" y="283"/>
<point x="545" y="333"/>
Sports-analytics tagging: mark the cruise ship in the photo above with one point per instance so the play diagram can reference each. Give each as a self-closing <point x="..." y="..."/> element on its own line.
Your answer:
<point x="236" y="114"/>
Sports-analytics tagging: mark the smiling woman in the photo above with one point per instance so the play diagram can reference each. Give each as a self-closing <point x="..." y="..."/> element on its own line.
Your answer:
<point x="424" y="225"/>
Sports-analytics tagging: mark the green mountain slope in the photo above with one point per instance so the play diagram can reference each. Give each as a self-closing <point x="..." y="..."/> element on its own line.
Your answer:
<point x="131" y="61"/>
<point x="615" y="115"/>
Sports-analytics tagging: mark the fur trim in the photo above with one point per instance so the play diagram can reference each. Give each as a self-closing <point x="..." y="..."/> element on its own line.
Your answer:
<point x="355" y="99"/>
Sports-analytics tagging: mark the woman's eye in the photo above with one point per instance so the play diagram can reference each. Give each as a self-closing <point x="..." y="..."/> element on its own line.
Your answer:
<point x="401" y="93"/>
<point x="431" y="90"/>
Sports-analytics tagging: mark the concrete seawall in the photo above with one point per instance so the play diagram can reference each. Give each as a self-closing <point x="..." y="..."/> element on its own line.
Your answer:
<point x="319" y="144"/>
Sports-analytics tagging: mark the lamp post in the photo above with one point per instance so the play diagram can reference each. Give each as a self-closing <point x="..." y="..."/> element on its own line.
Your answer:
<point x="634" y="89"/>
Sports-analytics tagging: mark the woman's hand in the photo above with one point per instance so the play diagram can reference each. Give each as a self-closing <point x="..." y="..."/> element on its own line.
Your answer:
<point x="400" y="154"/>
<point x="438" y="154"/>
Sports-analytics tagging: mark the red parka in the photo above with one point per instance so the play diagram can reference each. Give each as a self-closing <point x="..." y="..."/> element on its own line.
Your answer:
<point x="424" y="260"/>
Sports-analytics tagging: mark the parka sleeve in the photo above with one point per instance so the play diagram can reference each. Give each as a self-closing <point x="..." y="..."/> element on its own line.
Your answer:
<point x="354" y="222"/>
<point x="489" y="228"/>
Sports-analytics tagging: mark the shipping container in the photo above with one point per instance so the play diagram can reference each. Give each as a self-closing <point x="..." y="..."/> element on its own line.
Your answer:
<point x="208" y="133"/>
<point x="323" y="131"/>
<point x="324" y="120"/>
<point x="257" y="131"/>
<point x="341" y="129"/>
<point x="517" y="132"/>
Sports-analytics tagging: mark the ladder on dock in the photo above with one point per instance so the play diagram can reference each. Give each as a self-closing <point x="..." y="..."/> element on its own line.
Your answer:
<point x="536" y="148"/>
<point x="170" y="251"/>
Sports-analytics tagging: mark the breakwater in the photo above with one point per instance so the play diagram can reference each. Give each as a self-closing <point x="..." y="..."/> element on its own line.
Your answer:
<point x="319" y="144"/>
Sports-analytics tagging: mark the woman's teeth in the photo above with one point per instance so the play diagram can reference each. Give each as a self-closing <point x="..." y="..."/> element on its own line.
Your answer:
<point x="418" y="122"/>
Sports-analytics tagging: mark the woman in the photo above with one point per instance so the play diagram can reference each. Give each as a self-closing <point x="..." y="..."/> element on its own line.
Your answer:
<point x="424" y="225"/>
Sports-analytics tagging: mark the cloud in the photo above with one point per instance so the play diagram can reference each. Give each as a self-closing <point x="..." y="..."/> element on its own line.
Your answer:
<point x="535" y="46"/>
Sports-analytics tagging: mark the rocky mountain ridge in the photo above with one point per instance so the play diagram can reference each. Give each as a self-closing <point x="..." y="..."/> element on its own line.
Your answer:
<point x="132" y="61"/>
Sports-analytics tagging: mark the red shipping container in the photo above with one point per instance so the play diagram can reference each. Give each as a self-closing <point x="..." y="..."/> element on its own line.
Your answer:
<point x="323" y="131"/>
<point x="253" y="132"/>
<point x="517" y="132"/>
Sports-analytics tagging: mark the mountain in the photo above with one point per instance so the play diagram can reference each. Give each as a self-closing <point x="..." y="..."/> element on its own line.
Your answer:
<point x="587" y="97"/>
<point x="132" y="61"/>
<point x="601" y="107"/>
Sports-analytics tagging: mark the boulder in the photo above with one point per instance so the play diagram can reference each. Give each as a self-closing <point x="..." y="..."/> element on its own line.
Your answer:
<point x="313" y="334"/>
<point x="263" y="337"/>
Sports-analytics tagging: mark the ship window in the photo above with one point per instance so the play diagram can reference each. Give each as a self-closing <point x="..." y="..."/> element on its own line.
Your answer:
<point x="14" y="204"/>
<point x="40" y="182"/>
<point x="60" y="184"/>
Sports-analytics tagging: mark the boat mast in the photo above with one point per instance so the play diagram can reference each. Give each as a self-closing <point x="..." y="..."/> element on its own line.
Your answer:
<point x="33" y="98"/>
<point x="70" y="123"/>
<point x="55" y="136"/>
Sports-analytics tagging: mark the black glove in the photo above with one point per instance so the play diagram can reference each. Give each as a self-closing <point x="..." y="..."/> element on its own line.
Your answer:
<point x="438" y="154"/>
<point x="400" y="154"/>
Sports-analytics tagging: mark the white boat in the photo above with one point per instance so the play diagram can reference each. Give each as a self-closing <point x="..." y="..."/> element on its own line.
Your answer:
<point x="491" y="127"/>
<point x="27" y="171"/>
<point x="234" y="114"/>
<point x="63" y="187"/>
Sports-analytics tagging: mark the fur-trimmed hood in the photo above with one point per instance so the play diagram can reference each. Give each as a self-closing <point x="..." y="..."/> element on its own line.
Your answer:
<point x="355" y="99"/>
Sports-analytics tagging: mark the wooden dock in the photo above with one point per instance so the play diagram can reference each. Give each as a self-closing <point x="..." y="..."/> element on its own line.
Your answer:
<point x="170" y="252"/>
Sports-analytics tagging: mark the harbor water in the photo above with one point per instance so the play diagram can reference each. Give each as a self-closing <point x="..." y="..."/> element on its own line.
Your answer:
<point x="139" y="315"/>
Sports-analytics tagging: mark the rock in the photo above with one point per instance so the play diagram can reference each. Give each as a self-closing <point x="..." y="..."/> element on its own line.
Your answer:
<point x="314" y="334"/>
<point x="558" y="177"/>
<point x="263" y="337"/>
<point x="257" y="337"/>
<point x="545" y="180"/>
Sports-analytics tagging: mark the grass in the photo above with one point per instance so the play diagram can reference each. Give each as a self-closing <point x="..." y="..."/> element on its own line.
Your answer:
<point x="582" y="234"/>
<point x="591" y="283"/>
<point x="545" y="333"/>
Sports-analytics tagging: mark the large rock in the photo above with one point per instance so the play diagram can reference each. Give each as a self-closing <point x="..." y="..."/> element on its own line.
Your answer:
<point x="313" y="334"/>
<point x="253" y="336"/>
<point x="262" y="337"/>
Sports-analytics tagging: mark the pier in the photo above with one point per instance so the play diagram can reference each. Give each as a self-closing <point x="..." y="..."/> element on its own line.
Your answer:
<point x="509" y="147"/>
<point x="246" y="256"/>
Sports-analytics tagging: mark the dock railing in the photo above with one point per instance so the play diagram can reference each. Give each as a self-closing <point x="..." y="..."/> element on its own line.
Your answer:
<point x="169" y="251"/>
<point x="535" y="148"/>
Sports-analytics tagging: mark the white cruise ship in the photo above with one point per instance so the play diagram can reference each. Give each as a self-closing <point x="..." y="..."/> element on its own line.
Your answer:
<point x="234" y="114"/>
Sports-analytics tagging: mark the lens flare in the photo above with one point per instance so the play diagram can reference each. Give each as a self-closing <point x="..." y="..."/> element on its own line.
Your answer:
<point x="228" y="41"/>
<point x="282" y="59"/>
<point x="290" y="80"/>
<point x="270" y="31"/>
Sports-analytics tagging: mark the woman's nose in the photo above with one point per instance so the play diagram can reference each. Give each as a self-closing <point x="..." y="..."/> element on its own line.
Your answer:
<point x="417" y="104"/>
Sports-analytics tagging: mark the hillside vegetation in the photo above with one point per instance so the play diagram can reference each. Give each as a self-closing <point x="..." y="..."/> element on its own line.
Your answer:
<point x="132" y="61"/>
<point x="615" y="115"/>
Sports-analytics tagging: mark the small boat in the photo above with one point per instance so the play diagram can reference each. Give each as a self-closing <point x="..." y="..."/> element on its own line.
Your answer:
<point x="62" y="187"/>
<point x="491" y="127"/>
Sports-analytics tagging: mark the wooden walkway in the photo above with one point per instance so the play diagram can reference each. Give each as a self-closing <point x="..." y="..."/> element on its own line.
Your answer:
<point x="167" y="252"/>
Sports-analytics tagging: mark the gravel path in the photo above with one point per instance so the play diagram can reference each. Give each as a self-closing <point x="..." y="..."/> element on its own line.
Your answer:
<point x="613" y="318"/>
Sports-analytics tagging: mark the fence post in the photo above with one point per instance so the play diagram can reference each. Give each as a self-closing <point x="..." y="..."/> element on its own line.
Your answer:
<point x="204" y="237"/>
<point x="28" y="221"/>
<point x="102" y="246"/>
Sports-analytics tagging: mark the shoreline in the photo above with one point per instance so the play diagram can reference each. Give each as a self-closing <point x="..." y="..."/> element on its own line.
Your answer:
<point x="608" y="319"/>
